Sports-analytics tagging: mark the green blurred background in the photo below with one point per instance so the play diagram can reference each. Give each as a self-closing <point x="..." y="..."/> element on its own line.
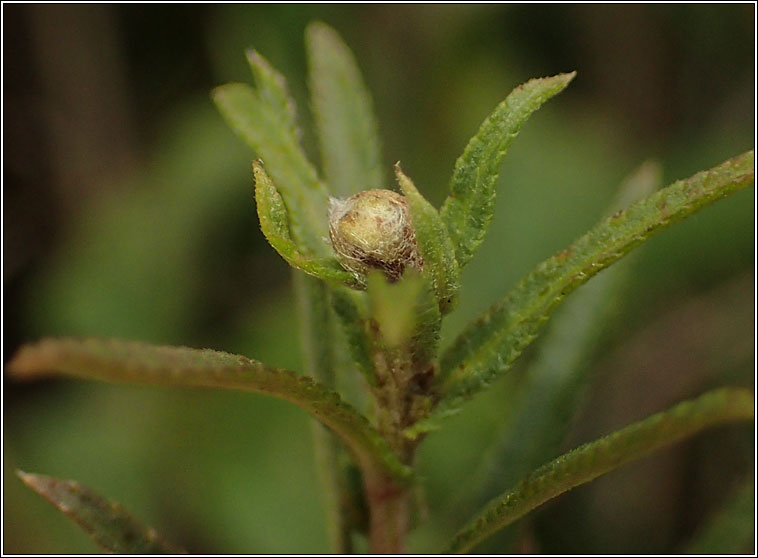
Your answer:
<point x="128" y="212"/>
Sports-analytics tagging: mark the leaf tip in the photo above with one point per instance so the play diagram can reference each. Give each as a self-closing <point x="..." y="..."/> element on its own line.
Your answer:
<point x="316" y="26"/>
<point x="223" y="95"/>
<point x="564" y="79"/>
<point x="317" y="30"/>
<point x="41" y="484"/>
<point x="400" y="175"/>
<point x="405" y="183"/>
<point x="24" y="476"/>
<point x="215" y="93"/>
<point x="261" y="178"/>
<point x="263" y="71"/>
<point x="23" y="364"/>
<point x="254" y="57"/>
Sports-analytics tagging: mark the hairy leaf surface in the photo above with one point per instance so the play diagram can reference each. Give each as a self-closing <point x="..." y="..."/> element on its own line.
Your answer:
<point x="434" y="244"/>
<point x="467" y="211"/>
<point x="556" y="380"/>
<point x="317" y="337"/>
<point x="265" y="119"/>
<point x="601" y="456"/>
<point x="272" y="215"/>
<point x="406" y="314"/>
<point x="124" y="361"/>
<point x="347" y="129"/>
<point x="348" y="307"/>
<point x="106" y="522"/>
<point x="489" y="346"/>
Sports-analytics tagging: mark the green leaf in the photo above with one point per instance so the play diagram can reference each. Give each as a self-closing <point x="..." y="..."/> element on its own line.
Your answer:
<point x="489" y="346"/>
<point x="325" y="360"/>
<point x="316" y="329"/>
<point x="332" y="478"/>
<point x="265" y="119"/>
<point x="406" y="314"/>
<point x="393" y="306"/>
<point x="343" y="114"/>
<point x="426" y="335"/>
<point x="349" y="307"/>
<point x="601" y="456"/>
<point x="405" y="319"/>
<point x="556" y="380"/>
<point x="106" y="522"/>
<point x="467" y="212"/>
<point x="272" y="215"/>
<point x="272" y="89"/>
<point x="732" y="529"/>
<point x="317" y="339"/>
<point x="434" y="244"/>
<point x="124" y="361"/>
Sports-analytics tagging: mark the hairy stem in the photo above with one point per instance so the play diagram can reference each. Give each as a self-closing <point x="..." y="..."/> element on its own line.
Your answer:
<point x="389" y="503"/>
<point x="400" y="401"/>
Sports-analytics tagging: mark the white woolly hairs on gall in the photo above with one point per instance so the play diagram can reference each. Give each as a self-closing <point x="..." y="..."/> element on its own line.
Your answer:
<point x="373" y="230"/>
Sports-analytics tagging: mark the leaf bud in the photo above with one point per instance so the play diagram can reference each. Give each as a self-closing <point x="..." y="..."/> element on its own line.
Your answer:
<point x="373" y="230"/>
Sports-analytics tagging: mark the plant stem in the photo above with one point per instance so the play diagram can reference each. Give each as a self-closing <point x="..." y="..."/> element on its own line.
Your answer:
<point x="389" y="503"/>
<point x="399" y="397"/>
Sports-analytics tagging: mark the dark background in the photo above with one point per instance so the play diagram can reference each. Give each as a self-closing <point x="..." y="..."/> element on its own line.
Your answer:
<point x="128" y="212"/>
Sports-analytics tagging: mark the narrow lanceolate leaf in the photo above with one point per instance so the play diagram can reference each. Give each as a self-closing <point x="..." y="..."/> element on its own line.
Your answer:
<point x="123" y="361"/>
<point x="317" y="339"/>
<point x="316" y="330"/>
<point x="434" y="244"/>
<point x="106" y="522"/>
<point x="265" y="119"/>
<point x="601" y="456"/>
<point x="393" y="306"/>
<point x="272" y="89"/>
<point x="343" y="114"/>
<point x="426" y="335"/>
<point x="556" y="379"/>
<point x="467" y="211"/>
<point x="348" y="307"/>
<point x="272" y="215"/>
<point x="489" y="346"/>
<point x="732" y="529"/>
<point x="407" y="315"/>
<point x="554" y="385"/>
